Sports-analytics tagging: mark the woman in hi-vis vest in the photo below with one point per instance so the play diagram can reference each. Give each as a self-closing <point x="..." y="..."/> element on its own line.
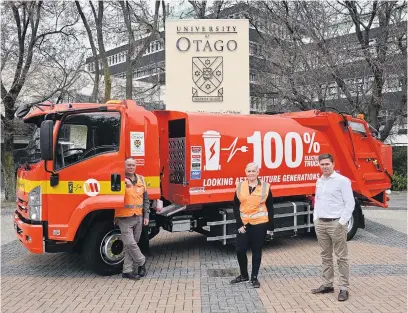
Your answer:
<point x="253" y="209"/>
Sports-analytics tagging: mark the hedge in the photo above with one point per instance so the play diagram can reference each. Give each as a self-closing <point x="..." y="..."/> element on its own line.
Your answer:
<point x="399" y="164"/>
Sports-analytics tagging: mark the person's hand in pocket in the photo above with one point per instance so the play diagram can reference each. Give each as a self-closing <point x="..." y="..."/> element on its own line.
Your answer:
<point x="339" y="228"/>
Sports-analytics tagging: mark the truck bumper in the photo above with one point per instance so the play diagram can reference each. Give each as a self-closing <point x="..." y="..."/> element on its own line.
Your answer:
<point x="30" y="235"/>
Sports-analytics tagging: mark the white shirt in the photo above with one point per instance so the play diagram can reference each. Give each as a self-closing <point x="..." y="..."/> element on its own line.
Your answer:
<point x="334" y="198"/>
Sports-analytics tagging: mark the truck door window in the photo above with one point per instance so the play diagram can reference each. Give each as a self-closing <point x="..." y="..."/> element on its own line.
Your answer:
<point x="85" y="135"/>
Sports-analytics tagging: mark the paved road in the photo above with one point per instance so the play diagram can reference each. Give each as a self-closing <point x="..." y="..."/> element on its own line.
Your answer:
<point x="188" y="274"/>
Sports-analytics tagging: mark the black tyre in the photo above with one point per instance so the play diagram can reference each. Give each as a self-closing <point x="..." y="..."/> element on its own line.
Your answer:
<point x="144" y="241"/>
<point x="153" y="231"/>
<point x="103" y="250"/>
<point x="352" y="224"/>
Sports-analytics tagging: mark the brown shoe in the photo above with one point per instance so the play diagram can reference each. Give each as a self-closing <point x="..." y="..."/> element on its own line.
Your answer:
<point x="343" y="295"/>
<point x="323" y="289"/>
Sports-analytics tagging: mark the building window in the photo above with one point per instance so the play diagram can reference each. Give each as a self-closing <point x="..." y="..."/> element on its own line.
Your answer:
<point x="154" y="46"/>
<point x="255" y="49"/>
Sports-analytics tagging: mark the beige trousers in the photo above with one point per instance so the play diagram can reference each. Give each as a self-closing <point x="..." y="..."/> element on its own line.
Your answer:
<point x="333" y="236"/>
<point x="131" y="229"/>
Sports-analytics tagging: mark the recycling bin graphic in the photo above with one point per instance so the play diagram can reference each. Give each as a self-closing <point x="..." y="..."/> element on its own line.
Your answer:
<point x="212" y="141"/>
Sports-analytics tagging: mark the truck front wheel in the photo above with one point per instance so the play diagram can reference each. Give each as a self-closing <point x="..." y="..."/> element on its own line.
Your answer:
<point x="103" y="249"/>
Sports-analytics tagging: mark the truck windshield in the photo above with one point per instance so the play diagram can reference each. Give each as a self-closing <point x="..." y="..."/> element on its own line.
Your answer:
<point x="85" y="135"/>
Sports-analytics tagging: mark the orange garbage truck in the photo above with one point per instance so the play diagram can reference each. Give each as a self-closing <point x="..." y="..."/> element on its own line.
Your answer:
<point x="72" y="176"/>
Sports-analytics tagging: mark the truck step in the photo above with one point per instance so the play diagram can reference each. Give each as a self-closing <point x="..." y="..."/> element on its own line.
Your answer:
<point x="171" y="209"/>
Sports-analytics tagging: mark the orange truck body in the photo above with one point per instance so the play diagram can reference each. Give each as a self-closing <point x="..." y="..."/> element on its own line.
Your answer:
<point x="195" y="159"/>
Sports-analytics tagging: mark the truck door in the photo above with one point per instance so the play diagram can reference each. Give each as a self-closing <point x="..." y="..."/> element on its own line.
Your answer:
<point x="89" y="159"/>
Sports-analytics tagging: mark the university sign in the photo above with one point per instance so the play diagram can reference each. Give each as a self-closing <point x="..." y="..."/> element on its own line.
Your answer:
<point x="207" y="66"/>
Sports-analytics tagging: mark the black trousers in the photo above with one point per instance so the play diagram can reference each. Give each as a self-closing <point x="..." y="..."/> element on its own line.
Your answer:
<point x="254" y="237"/>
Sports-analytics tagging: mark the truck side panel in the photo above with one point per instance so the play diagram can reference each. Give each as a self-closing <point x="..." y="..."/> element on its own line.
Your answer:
<point x="209" y="155"/>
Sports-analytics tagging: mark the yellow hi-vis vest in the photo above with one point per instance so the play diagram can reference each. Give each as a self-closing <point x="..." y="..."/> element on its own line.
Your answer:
<point x="133" y="204"/>
<point x="253" y="209"/>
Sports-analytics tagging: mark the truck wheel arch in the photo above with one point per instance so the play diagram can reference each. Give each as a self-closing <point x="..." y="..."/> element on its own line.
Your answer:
<point x="88" y="206"/>
<point x="87" y="222"/>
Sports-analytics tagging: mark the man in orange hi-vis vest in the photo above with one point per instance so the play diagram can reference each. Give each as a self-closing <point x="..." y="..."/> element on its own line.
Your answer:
<point x="253" y="209"/>
<point x="131" y="218"/>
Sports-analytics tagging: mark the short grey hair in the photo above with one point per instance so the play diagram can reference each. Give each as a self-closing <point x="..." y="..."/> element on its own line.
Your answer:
<point x="130" y="158"/>
<point x="252" y="165"/>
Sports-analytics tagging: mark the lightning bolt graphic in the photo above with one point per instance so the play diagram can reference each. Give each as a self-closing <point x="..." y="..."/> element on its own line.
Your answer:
<point x="212" y="150"/>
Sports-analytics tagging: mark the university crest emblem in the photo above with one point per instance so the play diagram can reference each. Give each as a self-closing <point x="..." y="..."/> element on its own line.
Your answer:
<point x="207" y="76"/>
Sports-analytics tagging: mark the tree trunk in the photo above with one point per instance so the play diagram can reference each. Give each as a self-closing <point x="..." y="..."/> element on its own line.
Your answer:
<point x="9" y="97"/>
<point x="99" y="34"/>
<point x="135" y="63"/>
<point x="7" y="156"/>
<point x="130" y="51"/>
<point x="106" y="70"/>
<point x="95" y="89"/>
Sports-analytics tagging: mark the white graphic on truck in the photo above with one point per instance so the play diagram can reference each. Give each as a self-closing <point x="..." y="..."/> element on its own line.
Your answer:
<point x="212" y="143"/>
<point x="270" y="150"/>
<point x="212" y="150"/>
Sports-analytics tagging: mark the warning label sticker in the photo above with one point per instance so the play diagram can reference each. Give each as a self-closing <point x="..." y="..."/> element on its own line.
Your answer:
<point x="196" y="161"/>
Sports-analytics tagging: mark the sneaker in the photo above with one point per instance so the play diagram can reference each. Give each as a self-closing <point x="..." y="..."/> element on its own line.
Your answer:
<point x="131" y="276"/>
<point x="255" y="283"/>
<point x="343" y="295"/>
<point x="323" y="289"/>
<point x="239" y="279"/>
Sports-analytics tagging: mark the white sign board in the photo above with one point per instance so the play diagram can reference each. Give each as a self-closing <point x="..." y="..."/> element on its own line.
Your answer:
<point x="207" y="66"/>
<point x="137" y="144"/>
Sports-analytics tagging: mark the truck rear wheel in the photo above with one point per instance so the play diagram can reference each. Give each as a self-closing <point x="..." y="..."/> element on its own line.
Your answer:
<point x="352" y="225"/>
<point x="103" y="249"/>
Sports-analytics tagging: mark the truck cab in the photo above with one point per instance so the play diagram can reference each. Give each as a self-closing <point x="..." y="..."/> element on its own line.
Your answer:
<point x="73" y="178"/>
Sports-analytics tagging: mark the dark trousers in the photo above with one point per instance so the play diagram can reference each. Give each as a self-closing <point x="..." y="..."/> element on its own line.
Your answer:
<point x="253" y="237"/>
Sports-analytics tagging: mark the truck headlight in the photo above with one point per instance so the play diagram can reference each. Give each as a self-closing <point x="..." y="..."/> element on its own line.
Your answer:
<point x="34" y="204"/>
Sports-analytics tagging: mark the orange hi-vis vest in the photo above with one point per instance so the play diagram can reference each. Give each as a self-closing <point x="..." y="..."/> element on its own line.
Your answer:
<point x="133" y="204"/>
<point x="253" y="209"/>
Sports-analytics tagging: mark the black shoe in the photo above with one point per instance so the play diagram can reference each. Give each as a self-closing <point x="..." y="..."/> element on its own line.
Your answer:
<point x="255" y="282"/>
<point x="131" y="276"/>
<point x="343" y="295"/>
<point x="239" y="279"/>
<point x="323" y="289"/>
<point x="142" y="270"/>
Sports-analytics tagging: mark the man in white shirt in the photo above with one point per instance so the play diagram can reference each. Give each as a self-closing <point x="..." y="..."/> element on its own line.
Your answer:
<point x="334" y="205"/>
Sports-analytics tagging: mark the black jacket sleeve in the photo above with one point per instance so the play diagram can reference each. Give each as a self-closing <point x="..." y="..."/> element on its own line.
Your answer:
<point x="269" y="206"/>
<point x="237" y="213"/>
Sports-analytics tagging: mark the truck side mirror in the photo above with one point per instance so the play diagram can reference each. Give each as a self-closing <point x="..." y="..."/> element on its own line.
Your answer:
<point x="46" y="140"/>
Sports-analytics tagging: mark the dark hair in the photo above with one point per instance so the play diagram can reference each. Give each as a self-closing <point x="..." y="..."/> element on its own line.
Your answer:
<point x="326" y="156"/>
